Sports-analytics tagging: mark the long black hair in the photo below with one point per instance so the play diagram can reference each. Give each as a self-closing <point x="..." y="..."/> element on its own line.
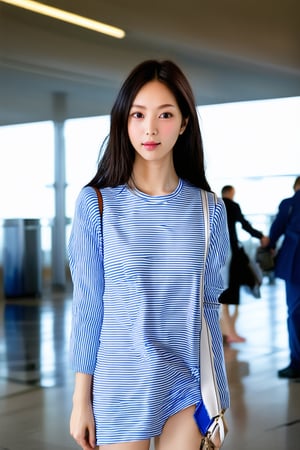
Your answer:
<point x="116" y="164"/>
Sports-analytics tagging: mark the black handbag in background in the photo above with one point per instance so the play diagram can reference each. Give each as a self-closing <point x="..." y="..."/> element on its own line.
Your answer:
<point x="265" y="259"/>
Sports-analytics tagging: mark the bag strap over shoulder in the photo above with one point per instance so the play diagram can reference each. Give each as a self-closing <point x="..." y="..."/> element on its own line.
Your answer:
<point x="100" y="200"/>
<point x="209" y="387"/>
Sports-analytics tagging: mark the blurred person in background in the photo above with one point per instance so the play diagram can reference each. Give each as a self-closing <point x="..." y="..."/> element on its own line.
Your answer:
<point x="239" y="271"/>
<point x="287" y="267"/>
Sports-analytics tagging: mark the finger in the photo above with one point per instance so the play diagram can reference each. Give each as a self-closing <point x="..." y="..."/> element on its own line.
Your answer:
<point x="81" y="440"/>
<point x="91" y="438"/>
<point x="85" y="445"/>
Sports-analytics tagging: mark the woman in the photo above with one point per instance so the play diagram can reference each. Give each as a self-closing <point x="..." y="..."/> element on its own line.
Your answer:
<point x="136" y="272"/>
<point x="239" y="271"/>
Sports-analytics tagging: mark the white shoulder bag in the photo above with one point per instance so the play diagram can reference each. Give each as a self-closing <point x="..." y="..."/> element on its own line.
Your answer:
<point x="209" y="414"/>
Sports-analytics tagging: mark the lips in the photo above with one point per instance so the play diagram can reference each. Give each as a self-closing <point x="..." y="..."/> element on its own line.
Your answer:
<point x="150" y="145"/>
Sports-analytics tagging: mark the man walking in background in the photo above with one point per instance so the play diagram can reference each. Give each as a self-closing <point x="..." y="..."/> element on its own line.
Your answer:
<point x="287" y="267"/>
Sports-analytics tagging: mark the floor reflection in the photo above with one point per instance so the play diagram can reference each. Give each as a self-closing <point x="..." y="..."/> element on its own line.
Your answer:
<point x="36" y="382"/>
<point x="22" y="343"/>
<point x="236" y="371"/>
<point x="35" y="342"/>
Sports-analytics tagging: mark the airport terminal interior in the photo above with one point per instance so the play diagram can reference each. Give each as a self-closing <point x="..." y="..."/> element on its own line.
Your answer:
<point x="52" y="73"/>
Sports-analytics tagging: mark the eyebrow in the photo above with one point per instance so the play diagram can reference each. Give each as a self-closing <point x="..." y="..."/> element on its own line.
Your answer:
<point x="166" y="105"/>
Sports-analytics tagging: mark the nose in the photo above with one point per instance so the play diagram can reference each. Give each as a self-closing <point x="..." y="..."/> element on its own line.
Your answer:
<point x="151" y="129"/>
<point x="151" y="132"/>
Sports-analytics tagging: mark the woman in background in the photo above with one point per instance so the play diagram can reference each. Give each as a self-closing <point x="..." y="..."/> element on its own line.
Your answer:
<point x="239" y="272"/>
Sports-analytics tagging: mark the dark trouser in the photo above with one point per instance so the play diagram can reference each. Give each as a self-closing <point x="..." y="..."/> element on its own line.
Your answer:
<point x="293" y="321"/>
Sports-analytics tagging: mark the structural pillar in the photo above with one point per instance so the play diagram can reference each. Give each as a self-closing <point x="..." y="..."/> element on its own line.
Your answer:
<point x="59" y="221"/>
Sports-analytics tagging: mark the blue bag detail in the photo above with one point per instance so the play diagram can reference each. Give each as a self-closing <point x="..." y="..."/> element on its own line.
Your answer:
<point x="202" y="418"/>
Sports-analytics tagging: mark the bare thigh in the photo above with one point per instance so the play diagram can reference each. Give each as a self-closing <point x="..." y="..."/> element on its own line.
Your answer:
<point x="134" y="445"/>
<point x="180" y="432"/>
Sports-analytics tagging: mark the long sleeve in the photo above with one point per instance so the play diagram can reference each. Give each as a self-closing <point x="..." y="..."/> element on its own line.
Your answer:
<point x="235" y="215"/>
<point x="280" y="222"/>
<point x="246" y="225"/>
<point x="86" y="266"/>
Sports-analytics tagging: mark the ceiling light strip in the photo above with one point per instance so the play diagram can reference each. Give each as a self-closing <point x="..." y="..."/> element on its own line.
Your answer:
<point x="66" y="16"/>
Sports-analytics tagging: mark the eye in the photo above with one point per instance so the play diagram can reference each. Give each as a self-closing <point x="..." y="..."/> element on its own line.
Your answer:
<point x="166" y="115"/>
<point x="137" y="115"/>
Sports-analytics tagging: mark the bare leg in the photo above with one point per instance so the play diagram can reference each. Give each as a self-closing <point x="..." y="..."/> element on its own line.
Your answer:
<point x="228" y="322"/>
<point x="134" y="445"/>
<point x="180" y="432"/>
<point x="234" y="317"/>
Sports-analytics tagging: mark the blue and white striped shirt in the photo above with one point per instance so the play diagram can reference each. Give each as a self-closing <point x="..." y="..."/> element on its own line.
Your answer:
<point x="136" y="316"/>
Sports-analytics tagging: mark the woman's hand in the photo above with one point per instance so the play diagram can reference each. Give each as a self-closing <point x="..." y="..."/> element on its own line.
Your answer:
<point x="265" y="241"/>
<point x="82" y="422"/>
<point x="82" y="426"/>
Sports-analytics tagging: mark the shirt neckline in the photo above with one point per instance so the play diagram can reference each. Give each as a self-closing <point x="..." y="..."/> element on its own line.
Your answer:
<point x="154" y="198"/>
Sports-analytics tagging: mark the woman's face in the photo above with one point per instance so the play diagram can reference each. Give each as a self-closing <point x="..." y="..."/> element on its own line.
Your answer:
<point x="154" y="122"/>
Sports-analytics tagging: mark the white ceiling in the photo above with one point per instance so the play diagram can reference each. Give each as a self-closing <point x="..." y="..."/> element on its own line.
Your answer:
<point x="231" y="50"/>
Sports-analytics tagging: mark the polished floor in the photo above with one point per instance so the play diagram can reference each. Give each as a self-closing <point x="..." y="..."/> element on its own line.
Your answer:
<point x="36" y="382"/>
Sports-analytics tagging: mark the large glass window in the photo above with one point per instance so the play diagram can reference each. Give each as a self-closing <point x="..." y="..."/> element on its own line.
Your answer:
<point x="26" y="171"/>
<point x="256" y="147"/>
<point x="251" y="145"/>
<point x="27" y="176"/>
<point x="84" y="138"/>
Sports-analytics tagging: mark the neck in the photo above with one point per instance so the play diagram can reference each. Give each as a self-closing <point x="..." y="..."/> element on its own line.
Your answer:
<point x="154" y="182"/>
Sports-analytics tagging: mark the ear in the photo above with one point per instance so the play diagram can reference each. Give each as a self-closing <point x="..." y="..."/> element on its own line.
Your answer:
<point x="183" y="125"/>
